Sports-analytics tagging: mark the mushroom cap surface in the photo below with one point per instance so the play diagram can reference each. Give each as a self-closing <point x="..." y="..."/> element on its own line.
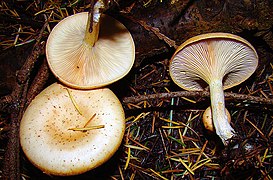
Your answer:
<point x="80" y="65"/>
<point x="207" y="119"/>
<point x="204" y="57"/>
<point x="49" y="144"/>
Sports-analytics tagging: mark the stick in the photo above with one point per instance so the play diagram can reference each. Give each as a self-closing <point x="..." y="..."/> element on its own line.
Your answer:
<point x="18" y="99"/>
<point x="235" y="96"/>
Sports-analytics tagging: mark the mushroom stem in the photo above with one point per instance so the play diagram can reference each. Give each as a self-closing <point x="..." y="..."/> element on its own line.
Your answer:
<point x="92" y="37"/>
<point x="219" y="116"/>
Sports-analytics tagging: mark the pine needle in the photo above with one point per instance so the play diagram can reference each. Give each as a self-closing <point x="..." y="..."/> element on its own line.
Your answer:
<point x="157" y="174"/>
<point x="87" y="128"/>
<point x="186" y="166"/>
<point x="128" y="158"/>
<point x="73" y="101"/>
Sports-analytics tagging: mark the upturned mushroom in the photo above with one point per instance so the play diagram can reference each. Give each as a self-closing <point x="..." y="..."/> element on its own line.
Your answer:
<point x="68" y="132"/>
<point x="85" y="60"/>
<point x="217" y="60"/>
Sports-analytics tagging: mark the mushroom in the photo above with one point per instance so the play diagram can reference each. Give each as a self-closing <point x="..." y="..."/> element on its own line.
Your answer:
<point x="60" y="140"/>
<point x="207" y="119"/>
<point x="217" y="60"/>
<point x="85" y="60"/>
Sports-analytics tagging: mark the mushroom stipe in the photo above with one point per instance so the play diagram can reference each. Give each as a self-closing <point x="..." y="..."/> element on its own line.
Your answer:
<point x="217" y="60"/>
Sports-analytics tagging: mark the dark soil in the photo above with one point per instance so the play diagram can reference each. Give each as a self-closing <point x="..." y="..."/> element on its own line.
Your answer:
<point x="165" y="137"/>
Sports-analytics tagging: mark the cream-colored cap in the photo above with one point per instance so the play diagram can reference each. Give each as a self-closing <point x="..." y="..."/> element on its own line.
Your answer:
<point x="207" y="119"/>
<point x="80" y="65"/>
<point x="201" y="58"/>
<point x="48" y="141"/>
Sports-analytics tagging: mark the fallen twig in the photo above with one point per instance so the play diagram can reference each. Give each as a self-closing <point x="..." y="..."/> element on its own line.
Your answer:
<point x="17" y="100"/>
<point x="24" y="72"/>
<point x="38" y="82"/>
<point x="155" y="30"/>
<point x="38" y="48"/>
<point x="235" y="96"/>
<point x="11" y="165"/>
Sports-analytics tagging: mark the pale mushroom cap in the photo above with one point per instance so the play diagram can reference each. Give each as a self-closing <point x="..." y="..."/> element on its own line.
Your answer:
<point x="49" y="144"/>
<point x="79" y="65"/>
<point x="211" y="55"/>
<point x="207" y="119"/>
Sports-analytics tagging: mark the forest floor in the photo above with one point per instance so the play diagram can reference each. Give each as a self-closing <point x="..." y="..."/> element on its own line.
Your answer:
<point x="165" y="137"/>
